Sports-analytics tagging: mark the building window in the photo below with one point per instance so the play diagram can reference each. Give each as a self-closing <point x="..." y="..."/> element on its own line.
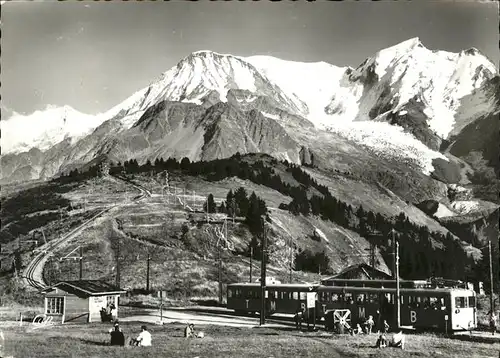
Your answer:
<point x="55" y="305"/>
<point x="110" y="300"/>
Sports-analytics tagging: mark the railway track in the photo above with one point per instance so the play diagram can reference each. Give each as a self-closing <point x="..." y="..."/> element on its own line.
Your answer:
<point x="33" y="273"/>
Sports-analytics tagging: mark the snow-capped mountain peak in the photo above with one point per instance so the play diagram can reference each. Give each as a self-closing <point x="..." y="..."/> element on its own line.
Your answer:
<point x="43" y="129"/>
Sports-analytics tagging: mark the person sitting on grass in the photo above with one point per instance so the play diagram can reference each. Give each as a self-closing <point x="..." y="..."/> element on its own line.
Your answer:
<point x="117" y="337"/>
<point x="357" y="330"/>
<point x="116" y="324"/>
<point x="381" y="341"/>
<point x="189" y="331"/>
<point x="143" y="339"/>
<point x="398" y="340"/>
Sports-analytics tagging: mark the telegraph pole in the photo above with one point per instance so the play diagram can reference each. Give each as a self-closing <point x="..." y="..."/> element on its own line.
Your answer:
<point x="220" y="275"/>
<point x="147" y="273"/>
<point x="291" y="258"/>
<point x="398" y="295"/>
<point x="81" y="263"/>
<point x="492" y="303"/>
<point x="118" y="264"/>
<point x="251" y="263"/>
<point x="263" y="276"/>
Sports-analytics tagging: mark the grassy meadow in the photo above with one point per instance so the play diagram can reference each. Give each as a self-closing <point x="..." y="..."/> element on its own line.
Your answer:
<point x="92" y="341"/>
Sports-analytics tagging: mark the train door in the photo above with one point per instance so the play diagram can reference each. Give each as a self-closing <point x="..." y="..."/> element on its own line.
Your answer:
<point x="386" y="310"/>
<point x="463" y="310"/>
<point x="271" y="298"/>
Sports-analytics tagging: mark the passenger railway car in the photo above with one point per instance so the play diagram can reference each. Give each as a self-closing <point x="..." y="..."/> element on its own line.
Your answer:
<point x="280" y="298"/>
<point x="441" y="309"/>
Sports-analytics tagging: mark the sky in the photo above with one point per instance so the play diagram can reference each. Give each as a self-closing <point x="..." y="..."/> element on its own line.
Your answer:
<point x="93" y="55"/>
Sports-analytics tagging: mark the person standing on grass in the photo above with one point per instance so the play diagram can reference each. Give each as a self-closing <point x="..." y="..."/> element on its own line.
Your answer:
<point x="144" y="338"/>
<point x="385" y="327"/>
<point x="369" y="325"/>
<point x="493" y="323"/>
<point x="113" y="312"/>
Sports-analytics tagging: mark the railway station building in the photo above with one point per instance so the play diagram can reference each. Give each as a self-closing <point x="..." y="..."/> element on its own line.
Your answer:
<point x="358" y="272"/>
<point x="80" y="301"/>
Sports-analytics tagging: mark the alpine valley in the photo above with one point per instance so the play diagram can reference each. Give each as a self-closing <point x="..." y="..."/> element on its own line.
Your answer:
<point x="410" y="136"/>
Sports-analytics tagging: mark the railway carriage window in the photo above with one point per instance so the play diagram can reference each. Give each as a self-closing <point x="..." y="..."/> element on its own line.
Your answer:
<point x="412" y="302"/>
<point x="459" y="302"/>
<point x="230" y="293"/>
<point x="433" y="302"/>
<point x="349" y="298"/>
<point x="472" y="301"/>
<point x="295" y="296"/>
<point x="372" y="298"/>
<point x="334" y="297"/>
<point x="303" y="295"/>
<point x="426" y="302"/>
<point x="441" y="304"/>
<point x="360" y="298"/>
<point x="328" y="296"/>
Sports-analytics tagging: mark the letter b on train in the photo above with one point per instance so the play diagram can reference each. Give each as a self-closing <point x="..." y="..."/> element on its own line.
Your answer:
<point x="413" y="316"/>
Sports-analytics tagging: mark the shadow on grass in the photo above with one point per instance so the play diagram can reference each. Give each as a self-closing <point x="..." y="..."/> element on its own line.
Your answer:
<point x="95" y="343"/>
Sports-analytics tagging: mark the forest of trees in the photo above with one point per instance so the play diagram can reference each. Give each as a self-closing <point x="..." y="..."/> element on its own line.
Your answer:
<point x="422" y="253"/>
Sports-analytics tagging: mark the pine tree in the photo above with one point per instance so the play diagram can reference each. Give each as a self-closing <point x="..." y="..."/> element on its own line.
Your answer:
<point x="241" y="200"/>
<point x="209" y="205"/>
<point x="230" y="203"/>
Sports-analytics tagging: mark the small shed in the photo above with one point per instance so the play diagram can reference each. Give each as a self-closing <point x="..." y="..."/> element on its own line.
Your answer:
<point x="359" y="272"/>
<point x="80" y="301"/>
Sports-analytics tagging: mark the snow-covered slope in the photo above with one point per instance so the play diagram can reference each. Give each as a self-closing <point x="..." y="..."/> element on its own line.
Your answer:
<point x="437" y="78"/>
<point x="314" y="83"/>
<point x="201" y="74"/>
<point x="44" y="129"/>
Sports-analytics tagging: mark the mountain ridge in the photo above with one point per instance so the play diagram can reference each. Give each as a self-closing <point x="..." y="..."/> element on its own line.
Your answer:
<point x="325" y="106"/>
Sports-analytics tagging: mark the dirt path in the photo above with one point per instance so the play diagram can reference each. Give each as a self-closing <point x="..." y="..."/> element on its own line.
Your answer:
<point x="199" y="318"/>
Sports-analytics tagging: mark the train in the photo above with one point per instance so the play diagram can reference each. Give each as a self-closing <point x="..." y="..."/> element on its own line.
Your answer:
<point x="444" y="309"/>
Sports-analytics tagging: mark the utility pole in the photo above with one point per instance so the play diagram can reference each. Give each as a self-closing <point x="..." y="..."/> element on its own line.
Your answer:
<point x="492" y="303"/>
<point x="251" y="264"/>
<point x="147" y="273"/>
<point x="291" y="258"/>
<point x="263" y="276"/>
<point x="220" y="275"/>
<point x="161" y="305"/>
<point x="372" y="255"/>
<point x="234" y="207"/>
<point x="398" y="295"/>
<point x="207" y="209"/>
<point x="81" y="263"/>
<point x="118" y="264"/>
